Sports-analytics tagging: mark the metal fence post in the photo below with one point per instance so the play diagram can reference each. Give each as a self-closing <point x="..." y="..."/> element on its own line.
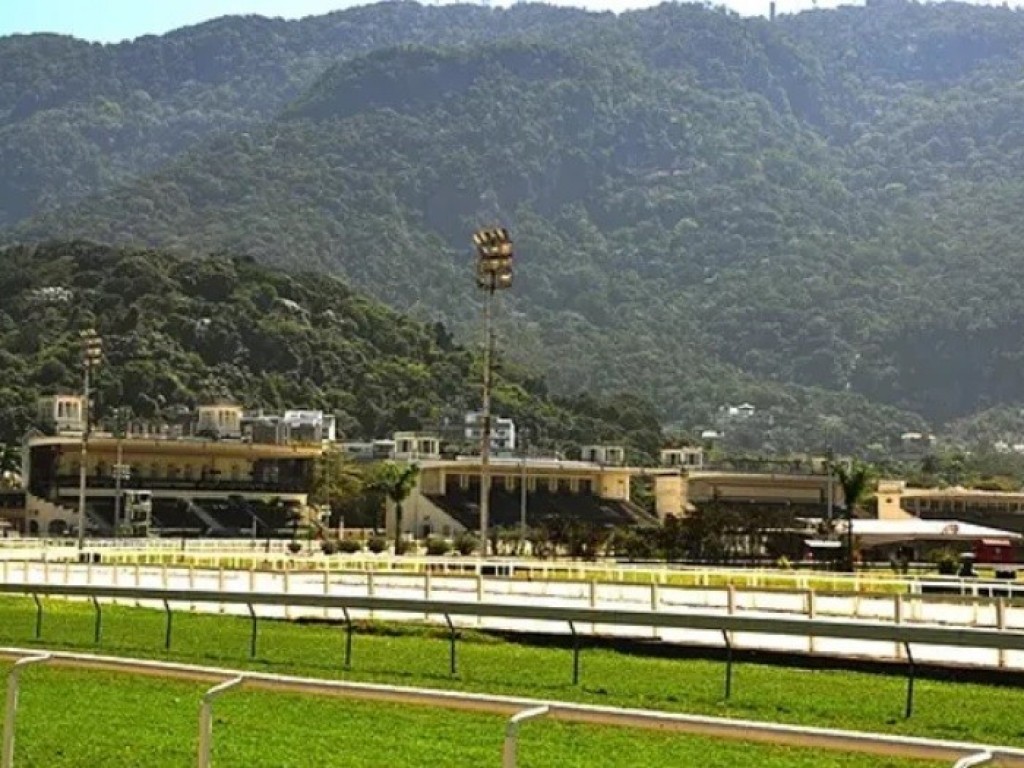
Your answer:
<point x="479" y="595"/>
<point x="1001" y="626"/>
<point x="910" y="681"/>
<point x="510" y="749"/>
<point x="812" y="612"/>
<point x="655" y="605"/>
<point x="206" y="718"/>
<point x="13" y="677"/>
<point x="451" y="641"/>
<point x="426" y="592"/>
<point x="575" y="654"/>
<point x="39" y="616"/>
<point x="167" y="631"/>
<point x="287" y="590"/>
<point x="897" y="616"/>
<point x="220" y="586"/>
<point x="326" y="585"/>
<point x="252" y="638"/>
<point x="348" y="638"/>
<point x="727" y="637"/>
<point x="98" y="629"/>
<point x="369" y="590"/>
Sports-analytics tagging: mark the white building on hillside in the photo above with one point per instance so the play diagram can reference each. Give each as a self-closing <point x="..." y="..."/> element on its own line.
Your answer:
<point x="320" y="425"/>
<point x="503" y="431"/>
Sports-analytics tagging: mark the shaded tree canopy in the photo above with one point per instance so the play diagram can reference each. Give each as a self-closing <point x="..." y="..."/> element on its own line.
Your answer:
<point x="178" y="331"/>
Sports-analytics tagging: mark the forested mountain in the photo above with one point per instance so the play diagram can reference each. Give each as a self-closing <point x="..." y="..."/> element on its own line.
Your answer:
<point x="77" y="117"/>
<point x="816" y="214"/>
<point x="178" y="331"/>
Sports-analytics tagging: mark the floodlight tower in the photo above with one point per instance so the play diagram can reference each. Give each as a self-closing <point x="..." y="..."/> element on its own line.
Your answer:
<point x="92" y="354"/>
<point x="493" y="273"/>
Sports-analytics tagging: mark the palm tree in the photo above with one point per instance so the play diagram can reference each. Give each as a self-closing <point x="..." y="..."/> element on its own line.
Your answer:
<point x="395" y="481"/>
<point x="856" y="483"/>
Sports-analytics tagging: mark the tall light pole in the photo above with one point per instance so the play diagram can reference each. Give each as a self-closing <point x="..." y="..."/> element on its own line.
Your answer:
<point x="122" y="472"/>
<point x="92" y="352"/>
<point x="522" y="491"/>
<point x="493" y="273"/>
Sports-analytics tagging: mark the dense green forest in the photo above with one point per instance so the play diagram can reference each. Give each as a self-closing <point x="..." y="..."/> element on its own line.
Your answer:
<point x="817" y="215"/>
<point x="179" y="331"/>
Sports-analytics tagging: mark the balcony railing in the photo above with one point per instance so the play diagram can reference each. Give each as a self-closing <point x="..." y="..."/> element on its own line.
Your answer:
<point x="221" y="485"/>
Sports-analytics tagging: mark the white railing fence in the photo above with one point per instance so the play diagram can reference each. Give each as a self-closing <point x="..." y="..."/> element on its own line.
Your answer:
<point x="898" y="609"/>
<point x="520" y="709"/>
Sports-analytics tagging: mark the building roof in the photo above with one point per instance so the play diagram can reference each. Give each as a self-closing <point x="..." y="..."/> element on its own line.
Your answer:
<point x="183" y="445"/>
<point x="471" y="464"/>
<point x="955" y="492"/>
<point x="876" y="532"/>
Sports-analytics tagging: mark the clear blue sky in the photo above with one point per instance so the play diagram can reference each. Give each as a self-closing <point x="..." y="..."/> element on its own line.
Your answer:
<point x="116" y="20"/>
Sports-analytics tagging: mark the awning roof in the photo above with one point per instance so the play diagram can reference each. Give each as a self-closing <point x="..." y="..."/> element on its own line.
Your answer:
<point x="877" y="532"/>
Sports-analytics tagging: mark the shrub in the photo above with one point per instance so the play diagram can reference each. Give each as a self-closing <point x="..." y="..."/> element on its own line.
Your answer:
<point x="946" y="559"/>
<point x="377" y="544"/>
<point x="328" y="547"/>
<point x="294" y="547"/>
<point x="437" y="546"/>
<point x="349" y="546"/>
<point x="466" y="543"/>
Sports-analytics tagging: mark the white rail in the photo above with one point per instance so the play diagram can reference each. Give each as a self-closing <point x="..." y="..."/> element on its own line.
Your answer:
<point x="206" y="718"/>
<point x="254" y="552"/>
<point x="742" y="730"/>
<point x="700" y="620"/>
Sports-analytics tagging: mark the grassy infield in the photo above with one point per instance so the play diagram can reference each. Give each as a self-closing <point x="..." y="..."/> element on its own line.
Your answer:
<point x="72" y="718"/>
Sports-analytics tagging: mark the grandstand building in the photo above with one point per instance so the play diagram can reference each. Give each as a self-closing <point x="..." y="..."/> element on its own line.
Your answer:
<point x="197" y="487"/>
<point x="446" y="500"/>
<point x="1000" y="509"/>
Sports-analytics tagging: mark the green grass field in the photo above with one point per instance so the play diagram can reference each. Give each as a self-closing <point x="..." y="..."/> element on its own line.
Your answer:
<point x="419" y="655"/>
<point x="73" y="719"/>
<point x="413" y="655"/>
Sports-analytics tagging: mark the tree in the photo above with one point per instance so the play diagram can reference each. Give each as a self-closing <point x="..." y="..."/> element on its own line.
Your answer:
<point x="334" y="479"/>
<point x="395" y="481"/>
<point x="856" y="484"/>
<point x="10" y="466"/>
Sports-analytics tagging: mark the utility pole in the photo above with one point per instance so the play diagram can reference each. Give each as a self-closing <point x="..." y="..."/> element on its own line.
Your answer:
<point x="121" y="473"/>
<point x="493" y="273"/>
<point x="522" y="491"/>
<point x="831" y="491"/>
<point x="92" y="352"/>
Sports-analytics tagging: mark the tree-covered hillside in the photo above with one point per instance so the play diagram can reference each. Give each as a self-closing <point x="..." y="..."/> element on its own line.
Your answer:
<point x="77" y="117"/>
<point x="816" y="214"/>
<point x="178" y="331"/>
